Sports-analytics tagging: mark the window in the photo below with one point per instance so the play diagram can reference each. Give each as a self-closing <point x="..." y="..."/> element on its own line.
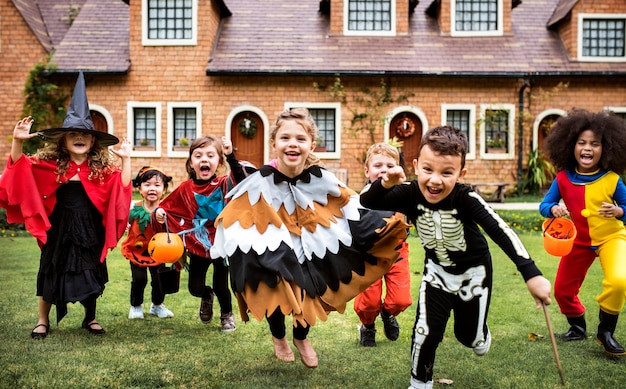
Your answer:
<point x="144" y="128"/>
<point x="327" y="118"/>
<point x="369" y="17"/>
<point x="497" y="132"/>
<point x="463" y="117"/>
<point x="183" y="127"/>
<point x="619" y="111"/>
<point x="170" y="22"/>
<point x="476" y="17"/>
<point x="601" y="37"/>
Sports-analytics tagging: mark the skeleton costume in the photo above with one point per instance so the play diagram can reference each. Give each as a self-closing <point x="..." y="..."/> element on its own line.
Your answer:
<point x="458" y="270"/>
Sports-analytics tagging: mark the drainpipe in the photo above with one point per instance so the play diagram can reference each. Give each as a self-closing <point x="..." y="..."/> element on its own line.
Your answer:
<point x="520" y="132"/>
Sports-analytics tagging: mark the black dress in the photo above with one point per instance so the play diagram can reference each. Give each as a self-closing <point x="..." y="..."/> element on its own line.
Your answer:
<point x="70" y="269"/>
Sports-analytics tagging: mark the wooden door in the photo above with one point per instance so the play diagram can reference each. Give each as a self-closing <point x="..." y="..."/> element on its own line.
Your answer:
<point x="248" y="147"/>
<point x="407" y="128"/>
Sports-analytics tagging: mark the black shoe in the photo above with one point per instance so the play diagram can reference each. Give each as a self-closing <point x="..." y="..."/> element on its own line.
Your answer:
<point x="206" y="309"/>
<point x="390" y="325"/>
<point x="368" y="337"/>
<point x="91" y="330"/>
<point x="40" y="335"/>
<point x="611" y="346"/>
<point x="573" y="333"/>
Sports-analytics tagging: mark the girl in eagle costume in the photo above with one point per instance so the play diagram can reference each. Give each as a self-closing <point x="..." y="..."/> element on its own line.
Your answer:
<point x="298" y="241"/>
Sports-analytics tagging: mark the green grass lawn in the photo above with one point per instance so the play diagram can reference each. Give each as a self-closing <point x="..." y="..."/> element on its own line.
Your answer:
<point x="181" y="352"/>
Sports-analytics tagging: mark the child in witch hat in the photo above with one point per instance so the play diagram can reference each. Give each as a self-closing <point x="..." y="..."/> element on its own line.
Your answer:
<point x="74" y="200"/>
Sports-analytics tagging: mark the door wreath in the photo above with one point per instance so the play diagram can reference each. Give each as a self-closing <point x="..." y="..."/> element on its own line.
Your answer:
<point x="405" y="128"/>
<point x="247" y="127"/>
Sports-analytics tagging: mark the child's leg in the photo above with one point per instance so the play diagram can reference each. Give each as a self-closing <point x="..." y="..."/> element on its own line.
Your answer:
<point x="613" y="263"/>
<point x="471" y="308"/>
<point x="433" y="311"/>
<point x="198" y="267"/>
<point x="220" y="286"/>
<point x="157" y="296"/>
<point x="398" y="288"/>
<point x="139" y="280"/>
<point x="569" y="278"/>
<point x="368" y="304"/>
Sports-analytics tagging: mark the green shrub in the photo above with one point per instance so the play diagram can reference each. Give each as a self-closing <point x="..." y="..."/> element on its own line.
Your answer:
<point x="523" y="221"/>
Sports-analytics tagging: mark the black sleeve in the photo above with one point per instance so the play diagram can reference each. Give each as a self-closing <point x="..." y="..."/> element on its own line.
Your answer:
<point x="400" y="198"/>
<point x="235" y="167"/>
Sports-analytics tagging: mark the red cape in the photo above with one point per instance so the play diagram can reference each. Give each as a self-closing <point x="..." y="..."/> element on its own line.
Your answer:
<point x="28" y="193"/>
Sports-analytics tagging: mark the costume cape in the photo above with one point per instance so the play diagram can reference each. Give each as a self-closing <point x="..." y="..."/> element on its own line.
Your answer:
<point x="304" y="245"/>
<point x="193" y="207"/>
<point x="28" y="193"/>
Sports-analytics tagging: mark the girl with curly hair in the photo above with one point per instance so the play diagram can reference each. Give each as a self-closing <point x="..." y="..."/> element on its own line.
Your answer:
<point x="588" y="150"/>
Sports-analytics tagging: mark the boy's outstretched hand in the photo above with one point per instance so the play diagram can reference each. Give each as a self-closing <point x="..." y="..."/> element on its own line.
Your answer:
<point x="539" y="287"/>
<point x="394" y="176"/>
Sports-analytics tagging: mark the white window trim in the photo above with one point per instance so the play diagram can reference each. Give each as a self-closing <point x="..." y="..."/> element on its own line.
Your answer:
<point x="511" y="136"/>
<point x="471" y="136"/>
<point x="337" y="107"/>
<point x="616" y="109"/>
<point x="497" y="32"/>
<point x="130" y="125"/>
<point x="347" y="31"/>
<point x="264" y="119"/>
<point x="169" y="42"/>
<point x="581" y="19"/>
<point x="170" y="127"/>
<point x="539" y="118"/>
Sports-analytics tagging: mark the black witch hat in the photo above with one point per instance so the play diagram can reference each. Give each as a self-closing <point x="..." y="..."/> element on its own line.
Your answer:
<point x="78" y="118"/>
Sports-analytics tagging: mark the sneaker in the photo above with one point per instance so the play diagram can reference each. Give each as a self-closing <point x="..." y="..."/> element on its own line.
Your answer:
<point x="390" y="325"/>
<point x="368" y="337"/>
<point x="136" y="312"/>
<point x="206" y="309"/>
<point x="417" y="384"/>
<point x="482" y="347"/>
<point x="228" y="322"/>
<point x="160" y="311"/>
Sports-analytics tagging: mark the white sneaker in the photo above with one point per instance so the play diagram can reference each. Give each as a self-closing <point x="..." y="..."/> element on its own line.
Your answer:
<point x="228" y="322"/>
<point x="136" y="312"/>
<point x="417" y="384"/>
<point x="482" y="347"/>
<point x="160" y="311"/>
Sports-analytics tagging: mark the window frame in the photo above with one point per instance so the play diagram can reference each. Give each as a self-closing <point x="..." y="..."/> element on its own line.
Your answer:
<point x="130" y="127"/>
<point x="146" y="41"/>
<point x="510" y="154"/>
<point x="184" y="153"/>
<point x="346" y="20"/>
<point x="337" y="107"/>
<point x="499" y="31"/>
<point x="471" y="132"/>
<point x="586" y="16"/>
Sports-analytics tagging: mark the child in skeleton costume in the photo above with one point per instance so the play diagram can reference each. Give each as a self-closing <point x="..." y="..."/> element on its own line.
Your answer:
<point x="298" y="241"/>
<point x="458" y="269"/>
<point x="588" y="149"/>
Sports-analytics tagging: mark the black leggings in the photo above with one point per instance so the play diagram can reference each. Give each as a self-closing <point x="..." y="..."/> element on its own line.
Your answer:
<point x="140" y="280"/>
<point x="198" y="267"/>
<point x="277" y="326"/>
<point x="90" y="308"/>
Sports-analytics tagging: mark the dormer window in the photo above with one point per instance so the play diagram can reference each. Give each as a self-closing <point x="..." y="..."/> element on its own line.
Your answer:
<point x="601" y="37"/>
<point x="476" y="17"/>
<point x="369" y="17"/>
<point x="169" y="23"/>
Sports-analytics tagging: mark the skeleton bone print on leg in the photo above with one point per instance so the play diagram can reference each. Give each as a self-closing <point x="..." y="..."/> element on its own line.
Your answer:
<point x="441" y="231"/>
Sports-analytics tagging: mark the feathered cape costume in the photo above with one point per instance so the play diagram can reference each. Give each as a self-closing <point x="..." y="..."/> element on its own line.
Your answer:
<point x="304" y="244"/>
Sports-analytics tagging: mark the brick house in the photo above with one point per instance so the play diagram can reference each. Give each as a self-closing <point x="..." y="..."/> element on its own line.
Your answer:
<point x="161" y="71"/>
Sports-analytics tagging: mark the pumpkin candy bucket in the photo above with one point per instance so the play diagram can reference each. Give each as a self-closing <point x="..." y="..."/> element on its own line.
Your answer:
<point x="558" y="236"/>
<point x="166" y="247"/>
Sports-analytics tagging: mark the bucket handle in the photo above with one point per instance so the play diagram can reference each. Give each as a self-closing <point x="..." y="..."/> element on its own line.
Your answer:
<point x="549" y="224"/>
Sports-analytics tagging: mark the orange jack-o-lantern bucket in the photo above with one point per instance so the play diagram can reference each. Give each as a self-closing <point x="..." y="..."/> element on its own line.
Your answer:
<point x="558" y="236"/>
<point x="166" y="247"/>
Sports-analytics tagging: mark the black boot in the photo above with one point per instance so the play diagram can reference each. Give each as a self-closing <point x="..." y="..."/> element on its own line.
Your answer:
<point x="577" y="330"/>
<point x="606" y="328"/>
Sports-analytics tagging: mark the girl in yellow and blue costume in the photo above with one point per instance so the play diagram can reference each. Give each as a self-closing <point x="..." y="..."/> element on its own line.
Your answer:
<point x="594" y="197"/>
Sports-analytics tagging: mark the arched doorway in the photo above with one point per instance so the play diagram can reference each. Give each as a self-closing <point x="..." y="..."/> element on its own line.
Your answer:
<point x="544" y="128"/>
<point x="99" y="121"/>
<point x="247" y="134"/>
<point x="407" y="128"/>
